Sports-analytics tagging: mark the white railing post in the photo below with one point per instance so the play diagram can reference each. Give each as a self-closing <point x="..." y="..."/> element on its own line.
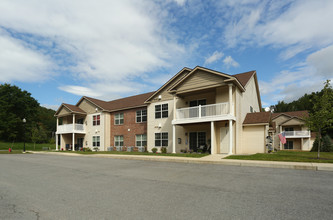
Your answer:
<point x="199" y="111"/>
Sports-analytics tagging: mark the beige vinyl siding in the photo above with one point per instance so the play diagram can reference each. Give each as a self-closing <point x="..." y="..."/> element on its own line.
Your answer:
<point x="295" y="122"/>
<point x="165" y="95"/>
<point x="249" y="98"/>
<point x="253" y="139"/>
<point x="200" y="79"/>
<point x="87" y="107"/>
<point x="63" y="111"/>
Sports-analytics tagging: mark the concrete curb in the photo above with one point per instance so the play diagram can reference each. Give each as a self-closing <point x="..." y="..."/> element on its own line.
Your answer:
<point x="204" y="160"/>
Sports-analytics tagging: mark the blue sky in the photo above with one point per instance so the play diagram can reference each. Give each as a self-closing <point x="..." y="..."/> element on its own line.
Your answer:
<point x="62" y="50"/>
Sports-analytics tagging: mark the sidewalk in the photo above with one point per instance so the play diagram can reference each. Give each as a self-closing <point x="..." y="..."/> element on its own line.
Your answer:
<point x="210" y="159"/>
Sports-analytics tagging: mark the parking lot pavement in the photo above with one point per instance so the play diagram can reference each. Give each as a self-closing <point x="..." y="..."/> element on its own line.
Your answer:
<point x="56" y="187"/>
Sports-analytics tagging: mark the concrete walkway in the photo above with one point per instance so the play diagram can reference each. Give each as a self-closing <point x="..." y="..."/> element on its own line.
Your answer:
<point x="210" y="159"/>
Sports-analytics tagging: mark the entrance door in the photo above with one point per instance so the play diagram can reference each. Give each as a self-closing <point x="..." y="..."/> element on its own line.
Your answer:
<point x="224" y="140"/>
<point x="79" y="144"/>
<point x="193" y="141"/>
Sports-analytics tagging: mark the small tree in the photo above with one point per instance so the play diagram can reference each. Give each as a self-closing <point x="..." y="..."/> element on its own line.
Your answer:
<point x="35" y="137"/>
<point x="322" y="116"/>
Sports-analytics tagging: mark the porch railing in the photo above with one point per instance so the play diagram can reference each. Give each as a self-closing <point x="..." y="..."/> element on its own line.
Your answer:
<point x="203" y="111"/>
<point x="297" y="133"/>
<point x="68" y="128"/>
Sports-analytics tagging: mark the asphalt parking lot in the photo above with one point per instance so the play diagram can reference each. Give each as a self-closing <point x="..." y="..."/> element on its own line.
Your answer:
<point x="59" y="187"/>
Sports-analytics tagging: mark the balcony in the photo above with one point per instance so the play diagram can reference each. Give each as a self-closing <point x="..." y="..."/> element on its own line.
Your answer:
<point x="68" y="128"/>
<point x="297" y="134"/>
<point x="203" y="113"/>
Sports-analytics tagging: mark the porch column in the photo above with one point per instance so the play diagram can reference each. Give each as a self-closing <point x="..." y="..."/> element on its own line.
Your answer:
<point x="212" y="138"/>
<point x="230" y="136"/>
<point x="174" y="107"/>
<point x="279" y="139"/>
<point x="73" y="122"/>
<point x="56" y="141"/>
<point x="230" y="100"/>
<point x="173" y="139"/>
<point x="73" y="142"/>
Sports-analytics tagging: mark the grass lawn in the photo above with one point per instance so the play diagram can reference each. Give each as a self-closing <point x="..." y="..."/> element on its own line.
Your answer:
<point x="28" y="146"/>
<point x="290" y="156"/>
<point x="139" y="153"/>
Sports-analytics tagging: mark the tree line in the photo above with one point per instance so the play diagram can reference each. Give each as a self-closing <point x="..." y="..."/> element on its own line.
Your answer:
<point x="16" y="105"/>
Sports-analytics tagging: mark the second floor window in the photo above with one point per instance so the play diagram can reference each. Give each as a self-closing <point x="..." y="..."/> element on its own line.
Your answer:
<point x="96" y="120"/>
<point x="141" y="116"/>
<point x="161" y="111"/>
<point x="119" y="119"/>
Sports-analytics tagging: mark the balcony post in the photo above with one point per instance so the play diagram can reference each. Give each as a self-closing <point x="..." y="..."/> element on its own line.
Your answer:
<point x="174" y="107"/>
<point x="230" y="137"/>
<point x="73" y="142"/>
<point x="56" y="141"/>
<point x="174" y="139"/>
<point x="212" y="138"/>
<point x="73" y="122"/>
<point x="230" y="99"/>
<point x="199" y="111"/>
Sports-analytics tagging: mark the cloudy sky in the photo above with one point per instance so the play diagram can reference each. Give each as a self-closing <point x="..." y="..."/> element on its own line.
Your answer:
<point x="61" y="50"/>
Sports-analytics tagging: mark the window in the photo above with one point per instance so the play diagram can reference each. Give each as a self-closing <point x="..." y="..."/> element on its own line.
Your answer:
<point x="289" y="145"/>
<point x="96" y="120"/>
<point x="161" y="111"/>
<point x="197" y="102"/>
<point x="119" y="119"/>
<point x="141" y="140"/>
<point x="119" y="141"/>
<point x="141" y="116"/>
<point x="161" y="139"/>
<point x="96" y="141"/>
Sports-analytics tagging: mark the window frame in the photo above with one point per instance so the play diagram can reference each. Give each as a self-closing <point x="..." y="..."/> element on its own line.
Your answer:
<point x="162" y="113"/>
<point x="97" y="121"/>
<point x="140" y="115"/>
<point x="96" y="141"/>
<point x="118" y="139"/>
<point x="163" y="139"/>
<point x="142" y="141"/>
<point x="118" y="118"/>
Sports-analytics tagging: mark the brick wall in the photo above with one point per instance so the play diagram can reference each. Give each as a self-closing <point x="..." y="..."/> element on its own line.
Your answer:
<point x="129" y="129"/>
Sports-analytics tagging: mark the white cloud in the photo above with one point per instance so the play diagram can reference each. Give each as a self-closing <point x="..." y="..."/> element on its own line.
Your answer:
<point x="102" y="41"/>
<point x="80" y="90"/>
<point x="301" y="25"/>
<point x="322" y="61"/>
<point x="229" y="61"/>
<point x="20" y="63"/>
<point x="180" y="2"/>
<point x="214" y="57"/>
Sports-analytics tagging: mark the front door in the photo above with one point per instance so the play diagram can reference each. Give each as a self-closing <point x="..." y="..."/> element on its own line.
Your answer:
<point x="79" y="144"/>
<point x="224" y="140"/>
<point x="193" y="141"/>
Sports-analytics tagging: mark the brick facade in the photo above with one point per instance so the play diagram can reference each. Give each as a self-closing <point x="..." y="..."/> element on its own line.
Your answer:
<point x="129" y="128"/>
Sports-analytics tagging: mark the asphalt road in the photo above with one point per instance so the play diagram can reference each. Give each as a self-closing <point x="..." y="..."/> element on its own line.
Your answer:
<point x="63" y="187"/>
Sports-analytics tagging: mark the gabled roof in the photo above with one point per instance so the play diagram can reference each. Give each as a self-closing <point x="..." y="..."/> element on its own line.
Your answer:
<point x="71" y="108"/>
<point x="244" y="78"/>
<point x="168" y="82"/>
<point x="230" y="77"/>
<point x="119" y="104"/>
<point x="257" y="118"/>
<point x="298" y="114"/>
<point x="128" y="102"/>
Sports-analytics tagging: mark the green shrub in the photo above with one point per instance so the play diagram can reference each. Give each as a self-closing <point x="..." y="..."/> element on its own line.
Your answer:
<point x="87" y="149"/>
<point x="154" y="150"/>
<point x="326" y="144"/>
<point x="164" y="150"/>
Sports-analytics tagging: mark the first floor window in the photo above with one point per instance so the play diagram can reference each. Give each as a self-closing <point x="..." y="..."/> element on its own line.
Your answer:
<point x="119" y="141"/>
<point x="161" y="139"/>
<point x="96" y="141"/>
<point x="161" y="111"/>
<point x="96" y="120"/>
<point x="289" y="145"/>
<point x="141" y="115"/>
<point x="141" y="140"/>
<point x="119" y="119"/>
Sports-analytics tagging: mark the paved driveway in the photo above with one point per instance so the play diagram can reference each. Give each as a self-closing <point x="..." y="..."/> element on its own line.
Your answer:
<point x="60" y="187"/>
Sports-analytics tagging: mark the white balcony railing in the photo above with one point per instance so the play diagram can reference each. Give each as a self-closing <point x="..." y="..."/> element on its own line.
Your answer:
<point x="68" y="128"/>
<point x="202" y="111"/>
<point x="290" y="134"/>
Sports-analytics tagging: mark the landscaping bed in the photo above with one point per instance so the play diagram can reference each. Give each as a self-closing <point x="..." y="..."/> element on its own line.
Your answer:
<point x="290" y="156"/>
